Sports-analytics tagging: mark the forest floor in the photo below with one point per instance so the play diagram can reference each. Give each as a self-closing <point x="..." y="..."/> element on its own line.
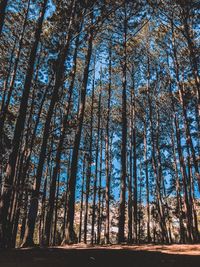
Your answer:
<point x="105" y="256"/>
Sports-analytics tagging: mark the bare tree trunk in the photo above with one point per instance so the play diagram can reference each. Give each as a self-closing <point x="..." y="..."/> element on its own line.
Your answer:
<point x="54" y="240"/>
<point x="121" y="226"/>
<point x="100" y="189"/>
<point x="90" y="158"/>
<point x="24" y="219"/>
<point x="107" y="137"/>
<point x="43" y="206"/>
<point x="140" y="205"/>
<point x="130" y="183"/>
<point x="135" y="189"/>
<point x="96" y="167"/>
<point x="70" y="236"/>
<point x="81" y="204"/>
<point x="194" y="208"/>
<point x="147" y="181"/>
<point x="66" y="196"/>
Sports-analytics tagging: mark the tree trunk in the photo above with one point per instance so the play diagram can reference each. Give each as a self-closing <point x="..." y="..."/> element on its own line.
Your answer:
<point x="70" y="236"/>
<point x="81" y="205"/>
<point x="100" y="189"/>
<point x="121" y="225"/>
<point x="147" y="181"/>
<point x="96" y="167"/>
<point x="135" y="189"/>
<point x="107" y="137"/>
<point x="90" y="158"/>
<point x="54" y="240"/>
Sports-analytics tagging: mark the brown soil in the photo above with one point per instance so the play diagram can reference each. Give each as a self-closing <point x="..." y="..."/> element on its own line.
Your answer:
<point x="123" y="256"/>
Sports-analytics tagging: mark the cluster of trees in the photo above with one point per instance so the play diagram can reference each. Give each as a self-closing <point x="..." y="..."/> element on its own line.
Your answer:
<point x="99" y="121"/>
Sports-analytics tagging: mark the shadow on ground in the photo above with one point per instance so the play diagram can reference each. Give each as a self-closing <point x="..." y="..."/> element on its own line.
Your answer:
<point x="58" y="257"/>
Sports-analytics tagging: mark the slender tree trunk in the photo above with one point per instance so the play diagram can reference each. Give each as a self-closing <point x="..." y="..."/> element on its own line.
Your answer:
<point x="87" y="192"/>
<point x="66" y="196"/>
<point x="96" y="167"/>
<point x="24" y="218"/>
<point x="135" y="189"/>
<point x="130" y="182"/>
<point x="147" y="181"/>
<point x="100" y="189"/>
<point x="122" y="206"/>
<point x="140" y="205"/>
<point x="43" y="204"/>
<point x="70" y="236"/>
<point x="107" y="154"/>
<point x="90" y="158"/>
<point x="194" y="207"/>
<point x="81" y="204"/>
<point x="55" y="241"/>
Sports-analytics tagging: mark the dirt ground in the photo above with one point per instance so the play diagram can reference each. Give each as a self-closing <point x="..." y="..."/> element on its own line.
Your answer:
<point x="123" y="256"/>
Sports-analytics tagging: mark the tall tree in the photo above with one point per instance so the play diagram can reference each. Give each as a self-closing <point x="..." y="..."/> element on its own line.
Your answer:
<point x="121" y="237"/>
